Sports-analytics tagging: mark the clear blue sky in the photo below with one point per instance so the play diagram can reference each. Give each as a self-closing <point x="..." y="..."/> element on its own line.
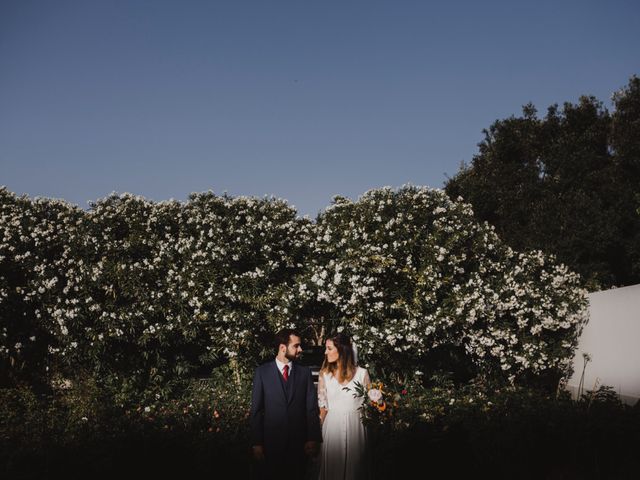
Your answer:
<point x="298" y="99"/>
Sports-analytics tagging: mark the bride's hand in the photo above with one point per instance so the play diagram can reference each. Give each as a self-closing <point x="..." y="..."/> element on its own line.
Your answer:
<point x="323" y="413"/>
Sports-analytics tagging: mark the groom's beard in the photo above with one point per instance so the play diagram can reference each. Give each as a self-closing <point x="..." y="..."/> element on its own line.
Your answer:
<point x="291" y="356"/>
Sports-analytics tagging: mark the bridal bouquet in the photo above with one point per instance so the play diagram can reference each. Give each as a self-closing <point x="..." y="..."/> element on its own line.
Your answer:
<point x="378" y="404"/>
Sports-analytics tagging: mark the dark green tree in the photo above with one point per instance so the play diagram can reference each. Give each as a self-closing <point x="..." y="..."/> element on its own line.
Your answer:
<point x="625" y="143"/>
<point x="567" y="183"/>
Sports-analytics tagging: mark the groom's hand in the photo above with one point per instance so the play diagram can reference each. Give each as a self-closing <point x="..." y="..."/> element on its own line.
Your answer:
<point x="311" y="448"/>
<point x="258" y="452"/>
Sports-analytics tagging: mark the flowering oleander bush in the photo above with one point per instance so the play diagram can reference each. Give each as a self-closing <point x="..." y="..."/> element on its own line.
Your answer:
<point x="141" y="294"/>
<point x="37" y="247"/>
<point x="408" y="270"/>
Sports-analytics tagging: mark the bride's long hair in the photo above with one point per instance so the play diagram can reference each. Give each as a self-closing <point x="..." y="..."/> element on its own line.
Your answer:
<point x="345" y="367"/>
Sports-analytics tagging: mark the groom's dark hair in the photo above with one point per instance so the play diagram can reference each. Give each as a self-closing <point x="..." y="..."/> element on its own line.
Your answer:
<point x="283" y="337"/>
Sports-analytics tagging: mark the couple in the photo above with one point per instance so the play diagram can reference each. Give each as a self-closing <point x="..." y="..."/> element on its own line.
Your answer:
<point x="291" y="422"/>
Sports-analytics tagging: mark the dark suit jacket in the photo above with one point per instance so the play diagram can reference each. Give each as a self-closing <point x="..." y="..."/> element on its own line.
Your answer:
<point x="284" y="415"/>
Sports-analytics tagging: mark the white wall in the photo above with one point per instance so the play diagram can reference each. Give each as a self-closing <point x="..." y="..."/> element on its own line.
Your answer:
<point x="612" y="339"/>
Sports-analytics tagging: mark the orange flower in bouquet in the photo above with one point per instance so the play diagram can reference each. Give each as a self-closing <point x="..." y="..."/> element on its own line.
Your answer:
<point x="375" y="408"/>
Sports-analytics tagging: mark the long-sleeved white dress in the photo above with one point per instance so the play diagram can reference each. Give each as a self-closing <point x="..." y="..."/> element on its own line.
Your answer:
<point x="343" y="454"/>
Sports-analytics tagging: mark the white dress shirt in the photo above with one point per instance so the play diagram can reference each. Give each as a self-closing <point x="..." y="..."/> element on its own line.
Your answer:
<point x="281" y="366"/>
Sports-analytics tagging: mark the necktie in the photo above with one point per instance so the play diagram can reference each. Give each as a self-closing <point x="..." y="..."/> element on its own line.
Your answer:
<point x="285" y="372"/>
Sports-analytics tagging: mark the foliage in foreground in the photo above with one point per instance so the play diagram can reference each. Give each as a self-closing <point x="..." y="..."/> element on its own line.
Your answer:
<point x="437" y="427"/>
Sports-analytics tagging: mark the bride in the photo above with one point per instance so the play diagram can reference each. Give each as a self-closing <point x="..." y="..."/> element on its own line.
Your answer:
<point x="343" y="453"/>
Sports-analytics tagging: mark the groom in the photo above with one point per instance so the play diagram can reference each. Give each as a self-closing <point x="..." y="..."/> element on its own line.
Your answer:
<point x="285" y="426"/>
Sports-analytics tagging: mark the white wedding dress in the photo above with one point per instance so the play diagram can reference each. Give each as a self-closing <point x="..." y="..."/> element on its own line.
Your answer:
<point x="343" y="454"/>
